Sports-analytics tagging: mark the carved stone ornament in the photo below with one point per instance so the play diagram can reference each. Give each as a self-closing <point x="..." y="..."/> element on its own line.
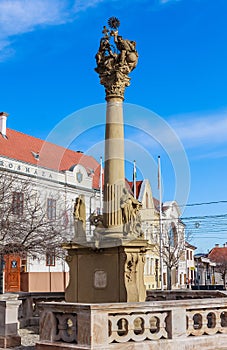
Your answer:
<point x="115" y="60"/>
<point x="130" y="266"/>
<point x="79" y="176"/>
<point x="100" y="279"/>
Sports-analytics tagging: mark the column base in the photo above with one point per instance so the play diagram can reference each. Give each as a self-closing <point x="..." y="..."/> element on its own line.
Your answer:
<point x="111" y="272"/>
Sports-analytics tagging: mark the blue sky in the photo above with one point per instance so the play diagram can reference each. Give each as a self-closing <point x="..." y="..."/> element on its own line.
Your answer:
<point x="47" y="50"/>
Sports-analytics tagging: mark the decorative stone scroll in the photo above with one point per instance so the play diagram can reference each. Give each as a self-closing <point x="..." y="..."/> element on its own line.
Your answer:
<point x="115" y="61"/>
<point x="137" y="327"/>
<point x="58" y="327"/>
<point x="206" y="321"/>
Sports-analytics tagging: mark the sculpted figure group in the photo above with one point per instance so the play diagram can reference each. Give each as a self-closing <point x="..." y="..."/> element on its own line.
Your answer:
<point x="130" y="211"/>
<point x="130" y="214"/>
<point x="115" y="62"/>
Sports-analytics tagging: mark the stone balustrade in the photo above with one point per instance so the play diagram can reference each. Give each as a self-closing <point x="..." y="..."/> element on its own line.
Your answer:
<point x="206" y="321"/>
<point x="162" y="325"/>
<point x="28" y="314"/>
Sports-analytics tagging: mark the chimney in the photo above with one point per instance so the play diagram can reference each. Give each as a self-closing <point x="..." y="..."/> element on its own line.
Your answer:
<point x="217" y="245"/>
<point x="3" y="117"/>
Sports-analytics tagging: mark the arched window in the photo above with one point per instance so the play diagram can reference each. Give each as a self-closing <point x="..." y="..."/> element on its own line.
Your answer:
<point x="172" y="235"/>
<point x="147" y="200"/>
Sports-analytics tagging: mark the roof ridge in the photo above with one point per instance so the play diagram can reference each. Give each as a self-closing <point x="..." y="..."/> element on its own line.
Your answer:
<point x="38" y="138"/>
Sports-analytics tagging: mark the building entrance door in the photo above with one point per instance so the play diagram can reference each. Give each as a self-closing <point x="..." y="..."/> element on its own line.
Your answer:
<point x="12" y="273"/>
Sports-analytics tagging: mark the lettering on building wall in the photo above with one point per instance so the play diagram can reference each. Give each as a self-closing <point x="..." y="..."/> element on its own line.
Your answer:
<point x="25" y="169"/>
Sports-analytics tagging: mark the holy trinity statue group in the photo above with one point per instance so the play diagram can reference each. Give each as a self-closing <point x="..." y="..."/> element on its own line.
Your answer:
<point x="115" y="61"/>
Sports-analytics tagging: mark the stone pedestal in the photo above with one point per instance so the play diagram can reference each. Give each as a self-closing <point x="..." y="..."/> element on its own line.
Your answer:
<point x="106" y="274"/>
<point x="9" y="305"/>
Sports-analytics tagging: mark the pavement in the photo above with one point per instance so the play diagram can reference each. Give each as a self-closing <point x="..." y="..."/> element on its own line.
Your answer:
<point x="29" y="337"/>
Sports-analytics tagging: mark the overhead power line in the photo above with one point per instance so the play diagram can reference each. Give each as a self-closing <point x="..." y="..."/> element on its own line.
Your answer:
<point x="202" y="203"/>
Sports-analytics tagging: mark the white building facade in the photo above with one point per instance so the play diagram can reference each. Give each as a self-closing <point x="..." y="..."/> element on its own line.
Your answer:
<point x="59" y="176"/>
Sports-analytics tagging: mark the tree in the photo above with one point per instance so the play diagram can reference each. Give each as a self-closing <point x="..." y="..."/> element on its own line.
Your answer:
<point x="173" y="248"/>
<point x="219" y="256"/>
<point x="30" y="222"/>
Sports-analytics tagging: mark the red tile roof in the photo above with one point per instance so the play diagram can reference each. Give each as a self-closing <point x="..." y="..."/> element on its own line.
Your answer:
<point x="190" y="246"/>
<point x="156" y="203"/>
<point x="138" y="187"/>
<point x="218" y="254"/>
<point x="20" y="146"/>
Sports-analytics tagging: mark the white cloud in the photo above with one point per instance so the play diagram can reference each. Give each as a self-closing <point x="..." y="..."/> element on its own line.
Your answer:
<point x="221" y="153"/>
<point x="82" y="5"/>
<point x="162" y="2"/>
<point x="22" y="16"/>
<point x="202" y="133"/>
<point x="5" y="50"/>
<point x="201" y="129"/>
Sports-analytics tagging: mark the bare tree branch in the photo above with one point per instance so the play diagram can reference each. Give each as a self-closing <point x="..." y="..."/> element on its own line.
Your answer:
<point x="24" y="222"/>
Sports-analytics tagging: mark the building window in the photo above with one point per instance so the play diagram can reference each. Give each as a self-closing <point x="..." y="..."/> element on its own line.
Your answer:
<point x="18" y="203"/>
<point x="151" y="266"/>
<point x="50" y="258"/>
<point x="147" y="265"/>
<point x="190" y="255"/>
<point x="187" y="255"/>
<point x="156" y="271"/>
<point x="164" y="278"/>
<point x="172" y="235"/>
<point x="51" y="209"/>
<point x="147" y="200"/>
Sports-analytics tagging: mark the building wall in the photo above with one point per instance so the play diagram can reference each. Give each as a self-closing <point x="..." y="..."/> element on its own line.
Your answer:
<point x="44" y="281"/>
<point x="150" y="227"/>
<point x="66" y="188"/>
<point x="171" y="221"/>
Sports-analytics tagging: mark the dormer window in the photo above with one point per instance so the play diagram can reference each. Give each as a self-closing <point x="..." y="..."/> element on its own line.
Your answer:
<point x="35" y="155"/>
<point x="4" y="136"/>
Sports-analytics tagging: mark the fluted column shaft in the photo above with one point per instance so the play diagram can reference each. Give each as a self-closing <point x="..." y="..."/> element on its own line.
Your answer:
<point x="114" y="162"/>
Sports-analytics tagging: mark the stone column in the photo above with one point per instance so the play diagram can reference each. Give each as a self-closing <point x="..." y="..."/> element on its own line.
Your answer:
<point x="114" y="163"/>
<point x="113" y="67"/>
<point x="110" y="267"/>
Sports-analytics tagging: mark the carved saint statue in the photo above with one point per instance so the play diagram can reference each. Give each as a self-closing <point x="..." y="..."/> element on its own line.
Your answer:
<point x="79" y="214"/>
<point x="130" y="213"/>
<point x="128" y="54"/>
